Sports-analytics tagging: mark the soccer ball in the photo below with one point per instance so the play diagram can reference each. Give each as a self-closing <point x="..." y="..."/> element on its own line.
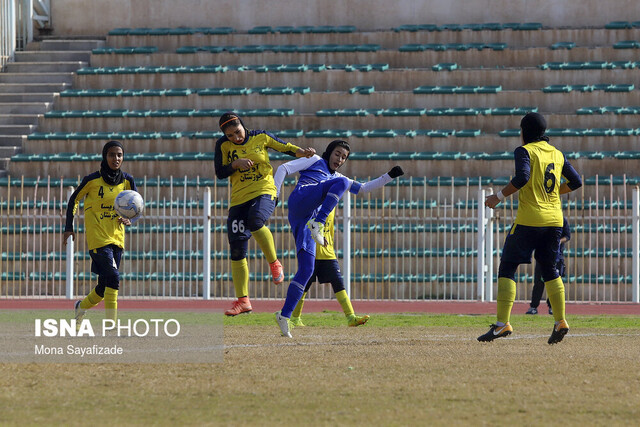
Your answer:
<point x="129" y="204"/>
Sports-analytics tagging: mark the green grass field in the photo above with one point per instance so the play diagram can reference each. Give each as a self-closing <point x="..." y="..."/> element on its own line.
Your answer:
<point x="402" y="369"/>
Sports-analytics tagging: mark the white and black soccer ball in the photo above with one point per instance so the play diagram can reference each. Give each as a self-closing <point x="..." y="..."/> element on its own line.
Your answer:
<point x="129" y="204"/>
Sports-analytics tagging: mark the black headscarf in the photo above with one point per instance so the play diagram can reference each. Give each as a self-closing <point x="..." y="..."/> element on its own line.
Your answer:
<point x="110" y="176"/>
<point x="332" y="146"/>
<point x="533" y="126"/>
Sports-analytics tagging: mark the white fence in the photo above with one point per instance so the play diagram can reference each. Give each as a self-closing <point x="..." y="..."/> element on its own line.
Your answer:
<point x="17" y="18"/>
<point x="413" y="240"/>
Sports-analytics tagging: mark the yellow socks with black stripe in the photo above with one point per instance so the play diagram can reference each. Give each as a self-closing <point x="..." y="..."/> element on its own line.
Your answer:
<point x="240" y="277"/>
<point x="345" y="302"/>
<point x="555" y="292"/>
<point x="506" y="297"/>
<point x="264" y="238"/>
<point x="111" y="303"/>
<point x="90" y="300"/>
<point x="298" y="310"/>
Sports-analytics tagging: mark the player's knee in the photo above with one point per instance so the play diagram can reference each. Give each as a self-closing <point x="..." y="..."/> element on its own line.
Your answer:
<point x="238" y="250"/>
<point x="549" y="273"/>
<point x="508" y="270"/>
<point x="341" y="184"/>
<point x="255" y="224"/>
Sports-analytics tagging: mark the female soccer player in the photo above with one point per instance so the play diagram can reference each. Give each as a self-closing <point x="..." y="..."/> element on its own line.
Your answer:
<point x="317" y="193"/>
<point x="241" y="154"/>
<point x="104" y="227"/>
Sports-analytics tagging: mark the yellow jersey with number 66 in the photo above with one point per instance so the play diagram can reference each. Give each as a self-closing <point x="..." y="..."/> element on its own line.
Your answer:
<point x="258" y="179"/>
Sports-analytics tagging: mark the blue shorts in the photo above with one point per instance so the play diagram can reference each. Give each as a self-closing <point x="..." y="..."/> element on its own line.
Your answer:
<point x="105" y="262"/>
<point x="523" y="240"/>
<point x="249" y="216"/>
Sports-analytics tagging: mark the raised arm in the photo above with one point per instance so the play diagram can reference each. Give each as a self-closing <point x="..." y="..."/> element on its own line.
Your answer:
<point x="381" y="181"/>
<point x="292" y="167"/>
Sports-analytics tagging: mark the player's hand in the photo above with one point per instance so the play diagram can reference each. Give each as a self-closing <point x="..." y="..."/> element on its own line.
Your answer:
<point x="491" y="201"/>
<point x="66" y="235"/>
<point x="242" y="164"/>
<point x="125" y="221"/>
<point x="395" y="172"/>
<point x="306" y="152"/>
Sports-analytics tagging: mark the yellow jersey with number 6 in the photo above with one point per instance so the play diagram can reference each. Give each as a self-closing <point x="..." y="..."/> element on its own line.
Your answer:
<point x="258" y="179"/>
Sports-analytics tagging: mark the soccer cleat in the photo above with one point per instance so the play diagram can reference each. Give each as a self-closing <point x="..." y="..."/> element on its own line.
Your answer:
<point x="560" y="329"/>
<point x="78" y="312"/>
<point x="550" y="310"/>
<point x="296" y="321"/>
<point x="532" y="310"/>
<point x="317" y="232"/>
<point x="284" y="323"/>
<point x="276" y="272"/>
<point x="496" y="332"/>
<point x="354" y="320"/>
<point x="241" y="305"/>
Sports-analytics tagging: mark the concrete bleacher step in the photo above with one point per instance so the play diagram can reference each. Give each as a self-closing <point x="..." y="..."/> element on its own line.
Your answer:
<point x="44" y="67"/>
<point x="18" y="119"/>
<point x="69" y="44"/>
<point x="52" y="56"/>
<point x="8" y="151"/>
<point x="25" y="97"/>
<point x="13" y="88"/>
<point x="24" y="107"/>
<point x="17" y="129"/>
<point x="34" y="77"/>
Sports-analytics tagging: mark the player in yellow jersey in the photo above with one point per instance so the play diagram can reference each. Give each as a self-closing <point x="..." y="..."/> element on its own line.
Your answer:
<point x="538" y="224"/>
<point x="104" y="227"/>
<point x="241" y="155"/>
<point x="327" y="269"/>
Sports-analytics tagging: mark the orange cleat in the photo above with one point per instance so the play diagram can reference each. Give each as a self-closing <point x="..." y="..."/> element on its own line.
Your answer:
<point x="241" y="305"/>
<point x="276" y="272"/>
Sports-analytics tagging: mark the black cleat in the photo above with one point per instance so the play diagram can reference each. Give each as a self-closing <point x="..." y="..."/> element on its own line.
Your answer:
<point x="559" y="331"/>
<point x="496" y="332"/>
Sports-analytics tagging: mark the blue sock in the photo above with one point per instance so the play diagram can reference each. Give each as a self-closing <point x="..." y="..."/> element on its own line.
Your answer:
<point x="306" y="263"/>
<point x="337" y="188"/>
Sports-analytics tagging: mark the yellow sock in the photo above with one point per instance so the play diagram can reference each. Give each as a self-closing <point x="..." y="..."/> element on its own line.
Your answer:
<point x="345" y="302"/>
<point x="555" y="292"/>
<point x="506" y="297"/>
<point x="240" y="276"/>
<point x="298" y="310"/>
<point x="264" y="238"/>
<point x="111" y="303"/>
<point x="90" y="300"/>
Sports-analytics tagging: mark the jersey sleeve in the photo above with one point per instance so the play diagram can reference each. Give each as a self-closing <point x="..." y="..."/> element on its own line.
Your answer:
<point x="279" y="145"/>
<point x="290" y="168"/>
<point x="222" y="171"/>
<point x="523" y="167"/>
<point x="368" y="186"/>
<point x="72" y="205"/>
<point x="571" y="175"/>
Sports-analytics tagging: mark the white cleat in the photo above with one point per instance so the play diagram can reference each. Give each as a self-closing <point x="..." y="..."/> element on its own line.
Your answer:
<point x="79" y="313"/>
<point x="283" y="322"/>
<point x="317" y="232"/>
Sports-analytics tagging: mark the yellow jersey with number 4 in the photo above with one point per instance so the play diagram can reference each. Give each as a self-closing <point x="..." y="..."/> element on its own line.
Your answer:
<point x="258" y="179"/>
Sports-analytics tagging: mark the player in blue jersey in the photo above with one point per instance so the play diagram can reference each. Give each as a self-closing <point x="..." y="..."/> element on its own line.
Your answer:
<point x="104" y="227"/>
<point x="316" y="194"/>
<point x="242" y="156"/>
<point x="537" y="226"/>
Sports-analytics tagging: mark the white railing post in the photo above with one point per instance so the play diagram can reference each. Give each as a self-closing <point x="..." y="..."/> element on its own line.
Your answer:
<point x="206" y="247"/>
<point x="635" y="253"/>
<point x="69" y="293"/>
<point x="489" y="251"/>
<point x="481" y="245"/>
<point x="346" y="242"/>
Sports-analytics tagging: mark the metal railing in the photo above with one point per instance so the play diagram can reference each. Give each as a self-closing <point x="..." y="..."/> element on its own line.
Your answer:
<point x="17" y="19"/>
<point x="408" y="242"/>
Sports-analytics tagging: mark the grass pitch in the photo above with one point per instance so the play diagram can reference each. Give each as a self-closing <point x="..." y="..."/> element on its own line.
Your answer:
<point x="396" y="370"/>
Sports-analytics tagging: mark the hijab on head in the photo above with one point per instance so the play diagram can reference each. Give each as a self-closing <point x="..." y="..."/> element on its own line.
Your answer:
<point x="332" y="146"/>
<point x="110" y="176"/>
<point x="533" y="126"/>
<point x="229" y="119"/>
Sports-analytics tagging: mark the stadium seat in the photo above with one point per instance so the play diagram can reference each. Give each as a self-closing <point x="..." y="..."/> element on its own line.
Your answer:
<point x="363" y="90"/>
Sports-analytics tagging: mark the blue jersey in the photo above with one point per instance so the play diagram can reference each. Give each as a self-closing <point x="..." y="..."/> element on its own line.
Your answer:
<point x="319" y="172"/>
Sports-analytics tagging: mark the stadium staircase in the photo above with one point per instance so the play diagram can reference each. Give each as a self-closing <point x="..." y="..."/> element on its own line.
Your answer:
<point x="29" y="85"/>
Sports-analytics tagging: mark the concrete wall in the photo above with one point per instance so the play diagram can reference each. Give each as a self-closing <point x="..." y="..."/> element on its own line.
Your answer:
<point x="97" y="17"/>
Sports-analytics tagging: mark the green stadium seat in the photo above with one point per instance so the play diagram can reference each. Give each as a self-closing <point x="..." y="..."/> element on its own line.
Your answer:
<point x="178" y="92"/>
<point x="557" y="89"/>
<point x="622" y="64"/>
<point x="582" y="88"/>
<point x="563" y="45"/>
<point x="507" y="133"/>
<point x="262" y="29"/>
<point x="363" y="90"/>
<point x="618" y="25"/>
<point x="382" y="133"/>
<point x="489" y="89"/>
<point x="328" y="133"/>
<point x="445" y="66"/>
<point x="626" y="44"/>
<point x="466" y="89"/>
<point x="496" y="46"/>
<point x="620" y="88"/>
<point x="468" y="133"/>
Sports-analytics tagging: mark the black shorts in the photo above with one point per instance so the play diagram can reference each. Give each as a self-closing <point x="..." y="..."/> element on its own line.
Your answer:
<point x="523" y="240"/>
<point x="105" y="262"/>
<point x="326" y="271"/>
<point x="259" y="208"/>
